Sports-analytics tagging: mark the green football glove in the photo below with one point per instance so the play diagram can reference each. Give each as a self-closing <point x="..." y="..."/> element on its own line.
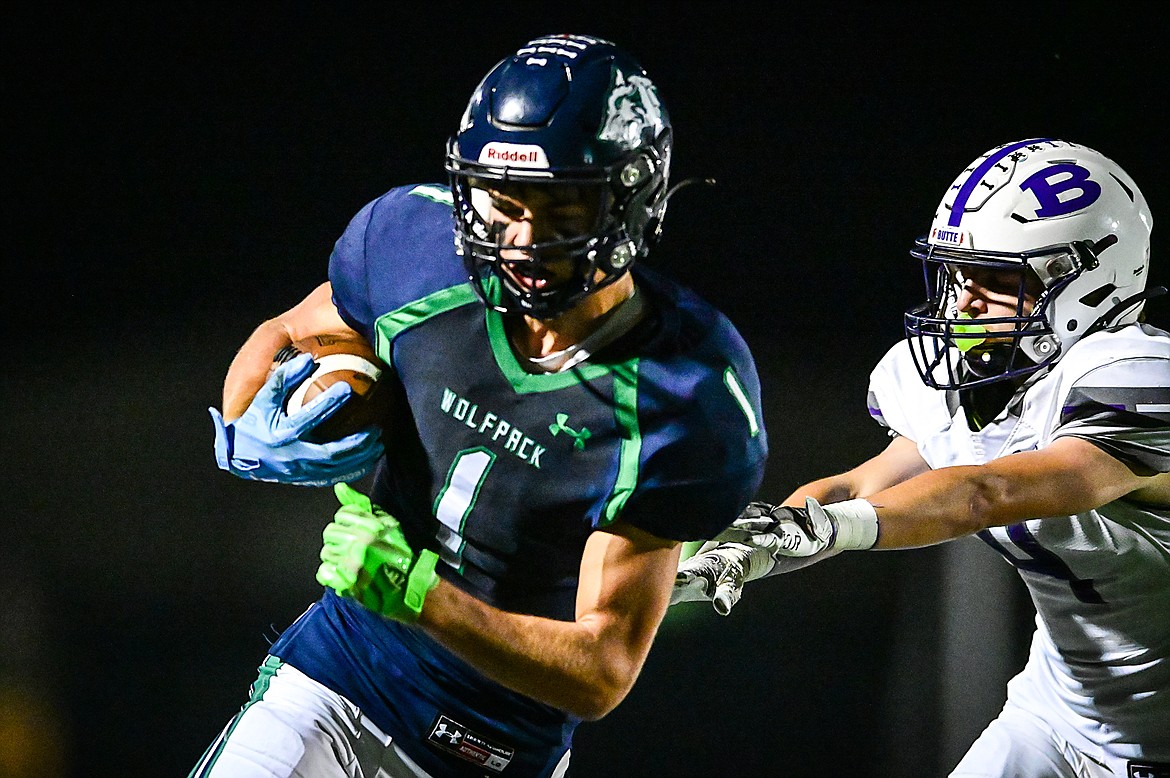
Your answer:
<point x="366" y="557"/>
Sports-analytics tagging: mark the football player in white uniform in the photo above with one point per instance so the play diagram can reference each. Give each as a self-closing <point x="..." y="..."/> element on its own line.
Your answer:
<point x="1030" y="405"/>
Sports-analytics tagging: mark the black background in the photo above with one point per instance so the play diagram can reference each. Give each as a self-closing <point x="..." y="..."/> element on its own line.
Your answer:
<point x="174" y="176"/>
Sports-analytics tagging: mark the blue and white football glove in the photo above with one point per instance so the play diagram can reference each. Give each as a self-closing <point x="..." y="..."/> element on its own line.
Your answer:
<point x="770" y="540"/>
<point x="267" y="444"/>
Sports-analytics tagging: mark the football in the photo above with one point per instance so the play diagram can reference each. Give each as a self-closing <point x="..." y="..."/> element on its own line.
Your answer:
<point x="338" y="358"/>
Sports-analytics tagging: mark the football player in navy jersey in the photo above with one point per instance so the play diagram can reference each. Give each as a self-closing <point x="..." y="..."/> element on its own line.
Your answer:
<point x="568" y="417"/>
<point x="1031" y="405"/>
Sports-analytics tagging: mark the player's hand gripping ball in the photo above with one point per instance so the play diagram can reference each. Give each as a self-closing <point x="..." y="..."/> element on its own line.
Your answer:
<point x="335" y="359"/>
<point x="266" y="443"/>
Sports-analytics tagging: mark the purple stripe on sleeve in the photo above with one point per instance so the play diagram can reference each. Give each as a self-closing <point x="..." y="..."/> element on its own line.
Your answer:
<point x="1066" y="410"/>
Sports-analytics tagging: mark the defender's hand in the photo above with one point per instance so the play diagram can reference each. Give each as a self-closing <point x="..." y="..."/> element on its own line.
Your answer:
<point x="808" y="531"/>
<point x="366" y="557"/>
<point x="768" y="540"/>
<point x="267" y="444"/>
<point x="718" y="574"/>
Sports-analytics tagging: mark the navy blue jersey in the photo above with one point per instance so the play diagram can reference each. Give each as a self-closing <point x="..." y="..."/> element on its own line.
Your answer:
<point x="505" y="473"/>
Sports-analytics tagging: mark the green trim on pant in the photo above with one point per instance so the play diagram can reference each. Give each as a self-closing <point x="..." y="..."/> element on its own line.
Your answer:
<point x="259" y="687"/>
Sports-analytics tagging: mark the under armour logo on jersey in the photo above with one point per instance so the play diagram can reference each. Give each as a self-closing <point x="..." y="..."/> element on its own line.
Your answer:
<point x="457" y="740"/>
<point x="579" y="437"/>
<point x="454" y="736"/>
<point x="1052" y="186"/>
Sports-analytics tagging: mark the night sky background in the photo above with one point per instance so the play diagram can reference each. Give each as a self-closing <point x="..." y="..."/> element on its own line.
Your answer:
<point x="172" y="177"/>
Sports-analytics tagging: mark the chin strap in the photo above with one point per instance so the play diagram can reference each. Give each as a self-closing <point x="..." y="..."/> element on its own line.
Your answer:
<point x="685" y="182"/>
<point x="653" y="226"/>
<point x="1104" y="320"/>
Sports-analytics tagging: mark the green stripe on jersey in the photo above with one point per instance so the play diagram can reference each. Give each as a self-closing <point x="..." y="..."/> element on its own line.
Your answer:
<point x="438" y="194"/>
<point x="625" y="393"/>
<point x="521" y="380"/>
<point x="731" y="380"/>
<point x="389" y="325"/>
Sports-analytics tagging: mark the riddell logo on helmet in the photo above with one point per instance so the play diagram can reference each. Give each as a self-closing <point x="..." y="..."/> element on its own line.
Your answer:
<point x="513" y="155"/>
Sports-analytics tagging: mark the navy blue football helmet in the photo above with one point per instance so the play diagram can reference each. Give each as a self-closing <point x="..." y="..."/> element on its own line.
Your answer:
<point x="564" y="109"/>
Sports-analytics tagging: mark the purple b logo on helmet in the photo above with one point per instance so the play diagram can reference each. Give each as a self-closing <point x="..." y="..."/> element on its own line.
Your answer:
<point x="1049" y="184"/>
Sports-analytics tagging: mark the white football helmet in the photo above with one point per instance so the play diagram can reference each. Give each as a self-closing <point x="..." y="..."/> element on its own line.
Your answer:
<point x="1046" y="209"/>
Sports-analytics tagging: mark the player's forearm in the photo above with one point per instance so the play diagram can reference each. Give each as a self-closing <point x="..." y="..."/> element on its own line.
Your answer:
<point x="825" y="490"/>
<point x="250" y="367"/>
<point x="898" y="462"/>
<point x="314" y="315"/>
<point x="955" y="501"/>
<point x="948" y="503"/>
<point x="576" y="666"/>
<point x="1067" y="477"/>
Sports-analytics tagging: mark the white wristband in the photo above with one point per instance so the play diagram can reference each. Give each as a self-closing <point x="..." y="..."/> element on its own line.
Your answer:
<point x="857" y="524"/>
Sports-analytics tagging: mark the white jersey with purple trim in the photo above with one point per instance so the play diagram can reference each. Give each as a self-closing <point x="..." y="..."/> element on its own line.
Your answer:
<point x="1099" y="667"/>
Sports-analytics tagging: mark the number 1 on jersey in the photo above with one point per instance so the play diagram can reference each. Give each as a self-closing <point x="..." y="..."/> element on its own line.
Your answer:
<point x="456" y="499"/>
